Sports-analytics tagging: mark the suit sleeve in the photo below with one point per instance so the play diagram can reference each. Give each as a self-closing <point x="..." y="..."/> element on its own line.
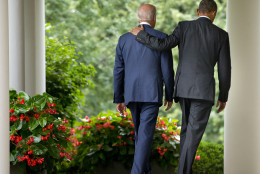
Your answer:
<point x="156" y="43"/>
<point x="224" y="70"/>
<point x="119" y="73"/>
<point x="168" y="74"/>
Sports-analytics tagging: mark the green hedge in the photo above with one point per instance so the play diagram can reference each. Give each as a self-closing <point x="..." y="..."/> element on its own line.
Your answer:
<point x="211" y="159"/>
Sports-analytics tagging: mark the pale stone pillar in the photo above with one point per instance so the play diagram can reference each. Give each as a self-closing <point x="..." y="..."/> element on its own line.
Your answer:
<point x="16" y="44"/>
<point x="242" y="116"/>
<point x="4" y="88"/>
<point x="34" y="16"/>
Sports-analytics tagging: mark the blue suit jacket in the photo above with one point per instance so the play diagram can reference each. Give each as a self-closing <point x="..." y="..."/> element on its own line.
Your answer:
<point x="140" y="72"/>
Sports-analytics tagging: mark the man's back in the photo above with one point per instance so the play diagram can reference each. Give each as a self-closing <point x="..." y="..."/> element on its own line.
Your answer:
<point x="144" y="70"/>
<point x="201" y="46"/>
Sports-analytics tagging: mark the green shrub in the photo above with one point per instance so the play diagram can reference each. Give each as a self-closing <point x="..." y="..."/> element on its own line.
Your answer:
<point x="65" y="77"/>
<point x="109" y="137"/>
<point x="211" y="159"/>
<point x="38" y="138"/>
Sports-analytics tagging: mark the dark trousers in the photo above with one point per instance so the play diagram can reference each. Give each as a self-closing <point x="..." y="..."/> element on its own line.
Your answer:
<point x="195" y="115"/>
<point x="144" y="118"/>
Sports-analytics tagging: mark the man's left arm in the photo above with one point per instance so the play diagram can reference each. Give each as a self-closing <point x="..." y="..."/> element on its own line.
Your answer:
<point x="168" y="76"/>
<point x="224" y="73"/>
<point x="119" y="73"/>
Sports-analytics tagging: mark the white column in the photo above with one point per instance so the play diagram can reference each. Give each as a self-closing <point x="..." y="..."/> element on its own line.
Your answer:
<point x="40" y="46"/>
<point x="34" y="16"/>
<point x="242" y="116"/>
<point x="16" y="45"/>
<point x="4" y="88"/>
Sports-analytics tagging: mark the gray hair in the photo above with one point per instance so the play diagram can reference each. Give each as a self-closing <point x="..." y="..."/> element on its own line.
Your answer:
<point x="146" y="13"/>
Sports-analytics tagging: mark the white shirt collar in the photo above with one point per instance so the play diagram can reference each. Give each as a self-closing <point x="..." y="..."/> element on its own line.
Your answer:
<point x="145" y="23"/>
<point x="204" y="17"/>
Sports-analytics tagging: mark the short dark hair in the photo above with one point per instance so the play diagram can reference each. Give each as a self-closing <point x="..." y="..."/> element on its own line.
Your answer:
<point x="207" y="6"/>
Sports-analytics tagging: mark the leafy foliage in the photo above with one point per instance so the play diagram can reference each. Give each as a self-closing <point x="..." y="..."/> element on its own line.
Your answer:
<point x="38" y="138"/>
<point x="65" y="77"/>
<point x="211" y="159"/>
<point x="110" y="137"/>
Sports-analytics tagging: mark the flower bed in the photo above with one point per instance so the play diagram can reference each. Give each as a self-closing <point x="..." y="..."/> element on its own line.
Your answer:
<point x="41" y="140"/>
<point x="38" y="137"/>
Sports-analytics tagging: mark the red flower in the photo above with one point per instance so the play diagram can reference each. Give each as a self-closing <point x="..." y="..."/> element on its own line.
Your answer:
<point x="30" y="152"/>
<point x="22" y="117"/>
<point x="22" y="101"/>
<point x="132" y="132"/>
<point x="65" y="121"/>
<point x="20" y="158"/>
<point x="37" y="115"/>
<point x="119" y="137"/>
<point x="132" y="124"/>
<point x="198" y="157"/>
<point x="87" y="118"/>
<point x="31" y="139"/>
<point x="175" y="124"/>
<point x="99" y="127"/>
<point x="27" y="119"/>
<point x="88" y="126"/>
<point x="99" y="145"/>
<point x="12" y="137"/>
<point x="112" y="127"/>
<point x="72" y="131"/>
<point x="40" y="160"/>
<point x="62" y="127"/>
<point x="162" y="122"/>
<point x="13" y="118"/>
<point x="107" y="124"/>
<point x="44" y="138"/>
<point x="18" y="139"/>
<point x="164" y="135"/>
<point x="62" y="154"/>
<point x="50" y="126"/>
<point x="11" y="111"/>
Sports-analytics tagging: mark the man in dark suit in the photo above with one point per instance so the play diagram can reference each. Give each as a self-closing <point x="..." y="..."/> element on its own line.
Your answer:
<point x="201" y="45"/>
<point x="139" y="75"/>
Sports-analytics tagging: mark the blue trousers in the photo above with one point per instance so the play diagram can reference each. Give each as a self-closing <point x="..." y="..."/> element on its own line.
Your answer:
<point x="195" y="115"/>
<point x="144" y="118"/>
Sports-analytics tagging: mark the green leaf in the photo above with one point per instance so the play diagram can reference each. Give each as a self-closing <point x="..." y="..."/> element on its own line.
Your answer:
<point x="33" y="123"/>
<point x="36" y="139"/>
<point x="123" y="151"/>
<point x="40" y="101"/>
<point x="21" y="108"/>
<point x="107" y="148"/>
<point x="23" y="95"/>
<point x="42" y="121"/>
<point x="18" y="125"/>
<point x="54" y="152"/>
<point x="102" y="156"/>
<point x="39" y="149"/>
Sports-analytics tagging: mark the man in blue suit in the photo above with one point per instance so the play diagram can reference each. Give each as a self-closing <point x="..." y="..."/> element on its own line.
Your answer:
<point x="139" y="75"/>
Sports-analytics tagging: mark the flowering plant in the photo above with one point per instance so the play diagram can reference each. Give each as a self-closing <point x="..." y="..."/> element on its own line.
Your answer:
<point x="38" y="137"/>
<point x="110" y="137"/>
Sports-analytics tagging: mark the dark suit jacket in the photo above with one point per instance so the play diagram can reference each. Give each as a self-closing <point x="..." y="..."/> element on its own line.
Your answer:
<point x="201" y="45"/>
<point x="139" y="71"/>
